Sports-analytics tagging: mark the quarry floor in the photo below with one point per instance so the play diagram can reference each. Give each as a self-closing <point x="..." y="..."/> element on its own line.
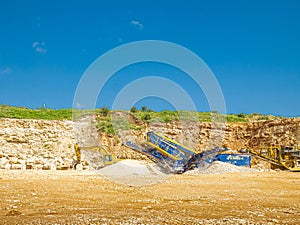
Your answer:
<point x="84" y="197"/>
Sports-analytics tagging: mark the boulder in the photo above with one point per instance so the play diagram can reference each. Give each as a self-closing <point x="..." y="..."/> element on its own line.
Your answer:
<point x="79" y="167"/>
<point x="17" y="167"/>
<point x="37" y="167"/>
<point x="49" y="166"/>
<point x="7" y="166"/>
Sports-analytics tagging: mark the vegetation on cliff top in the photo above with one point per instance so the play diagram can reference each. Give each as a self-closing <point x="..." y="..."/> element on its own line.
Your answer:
<point x="143" y="115"/>
<point x="41" y="113"/>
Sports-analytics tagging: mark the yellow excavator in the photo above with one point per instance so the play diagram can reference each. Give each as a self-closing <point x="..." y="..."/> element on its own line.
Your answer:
<point x="96" y="156"/>
<point x="287" y="157"/>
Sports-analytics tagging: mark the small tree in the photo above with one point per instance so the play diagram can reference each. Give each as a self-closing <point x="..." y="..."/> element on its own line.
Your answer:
<point x="134" y="109"/>
<point x="144" y="108"/>
<point x="104" y="111"/>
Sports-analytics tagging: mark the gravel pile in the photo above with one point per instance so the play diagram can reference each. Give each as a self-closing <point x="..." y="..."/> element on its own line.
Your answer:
<point x="218" y="167"/>
<point x="133" y="172"/>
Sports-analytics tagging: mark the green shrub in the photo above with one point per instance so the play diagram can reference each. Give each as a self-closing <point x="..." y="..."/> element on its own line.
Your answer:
<point x="104" y="111"/>
<point x="134" y="109"/>
<point x="241" y="115"/>
<point x="144" y="108"/>
<point x="146" y="117"/>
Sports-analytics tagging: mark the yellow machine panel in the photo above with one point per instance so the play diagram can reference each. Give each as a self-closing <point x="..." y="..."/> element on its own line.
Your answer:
<point x="287" y="157"/>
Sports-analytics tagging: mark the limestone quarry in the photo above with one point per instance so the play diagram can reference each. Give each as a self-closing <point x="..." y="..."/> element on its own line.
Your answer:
<point x="39" y="186"/>
<point x="48" y="145"/>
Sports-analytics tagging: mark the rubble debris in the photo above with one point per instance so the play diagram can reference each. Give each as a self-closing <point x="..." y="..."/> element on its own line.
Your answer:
<point x="218" y="167"/>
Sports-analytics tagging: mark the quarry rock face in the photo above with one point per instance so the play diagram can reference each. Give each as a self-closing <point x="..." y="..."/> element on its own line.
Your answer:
<point x="36" y="144"/>
<point x="48" y="145"/>
<point x="204" y="135"/>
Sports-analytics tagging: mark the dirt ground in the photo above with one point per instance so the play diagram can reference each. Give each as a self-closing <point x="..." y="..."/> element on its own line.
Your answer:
<point x="81" y="197"/>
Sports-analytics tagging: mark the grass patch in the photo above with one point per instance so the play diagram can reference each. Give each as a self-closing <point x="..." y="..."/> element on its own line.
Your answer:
<point x="146" y="115"/>
<point x="42" y="113"/>
<point x="104" y="124"/>
<point x="233" y="118"/>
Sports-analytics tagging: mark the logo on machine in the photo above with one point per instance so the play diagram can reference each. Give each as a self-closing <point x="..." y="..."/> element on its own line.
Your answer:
<point x="234" y="157"/>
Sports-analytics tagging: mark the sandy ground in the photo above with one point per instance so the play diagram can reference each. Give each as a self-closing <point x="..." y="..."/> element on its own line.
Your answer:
<point x="84" y="197"/>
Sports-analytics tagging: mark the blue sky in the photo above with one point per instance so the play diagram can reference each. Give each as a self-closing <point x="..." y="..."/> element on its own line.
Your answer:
<point x="252" y="47"/>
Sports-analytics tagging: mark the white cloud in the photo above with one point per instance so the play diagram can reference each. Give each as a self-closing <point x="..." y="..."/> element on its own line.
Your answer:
<point x="34" y="44"/>
<point x="5" y="71"/>
<point x="39" y="47"/>
<point x="41" y="50"/>
<point x="137" y="24"/>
